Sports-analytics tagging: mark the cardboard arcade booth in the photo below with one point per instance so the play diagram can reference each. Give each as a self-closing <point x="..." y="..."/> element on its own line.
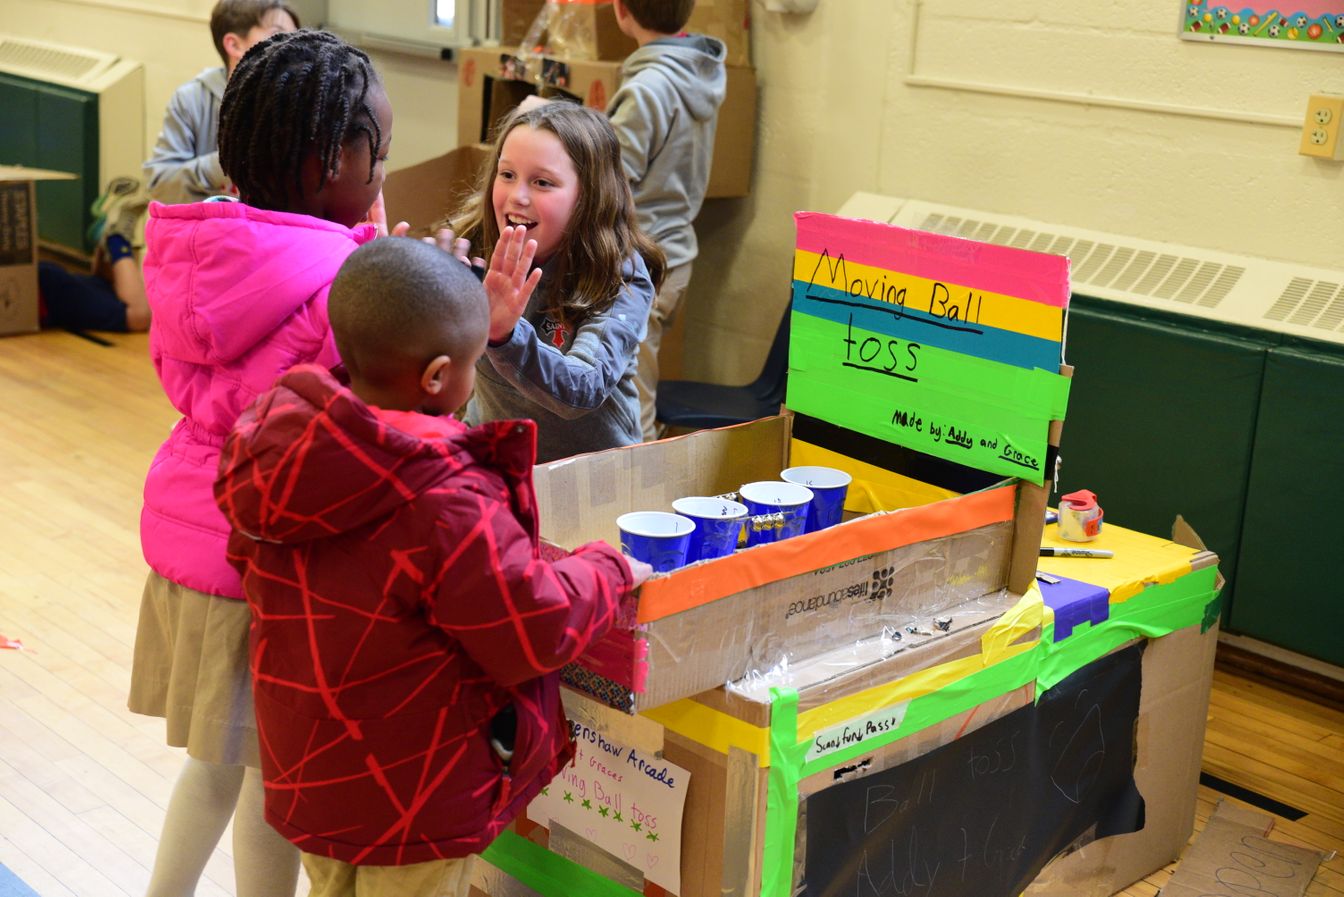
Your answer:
<point x="893" y="705"/>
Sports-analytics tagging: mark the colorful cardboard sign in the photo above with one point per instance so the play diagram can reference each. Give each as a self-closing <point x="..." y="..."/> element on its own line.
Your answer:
<point x="623" y="799"/>
<point x="947" y="346"/>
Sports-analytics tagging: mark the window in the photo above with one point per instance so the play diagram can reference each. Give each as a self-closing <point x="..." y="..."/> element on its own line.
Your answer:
<point x="420" y="26"/>
<point x="445" y="12"/>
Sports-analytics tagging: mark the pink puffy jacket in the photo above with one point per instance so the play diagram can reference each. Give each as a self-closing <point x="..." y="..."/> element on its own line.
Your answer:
<point x="239" y="296"/>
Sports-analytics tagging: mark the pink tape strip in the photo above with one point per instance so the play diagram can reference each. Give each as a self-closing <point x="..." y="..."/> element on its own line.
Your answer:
<point x="983" y="266"/>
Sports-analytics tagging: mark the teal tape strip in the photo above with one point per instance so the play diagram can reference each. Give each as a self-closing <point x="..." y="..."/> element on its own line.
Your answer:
<point x="1213" y="611"/>
<point x="781" y="797"/>
<point x="549" y="874"/>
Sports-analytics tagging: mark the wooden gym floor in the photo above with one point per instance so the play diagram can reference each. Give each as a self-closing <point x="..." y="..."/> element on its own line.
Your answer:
<point x="83" y="782"/>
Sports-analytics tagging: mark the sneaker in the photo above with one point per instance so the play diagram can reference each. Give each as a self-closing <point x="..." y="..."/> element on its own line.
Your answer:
<point x="122" y="213"/>
<point x="122" y="193"/>
<point x="119" y="186"/>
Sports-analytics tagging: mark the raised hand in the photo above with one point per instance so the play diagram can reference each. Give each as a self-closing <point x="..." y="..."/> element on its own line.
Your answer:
<point x="446" y="240"/>
<point x="377" y="215"/>
<point x="510" y="281"/>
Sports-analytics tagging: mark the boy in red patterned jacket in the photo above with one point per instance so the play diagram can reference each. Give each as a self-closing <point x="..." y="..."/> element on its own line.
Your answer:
<point x="405" y="631"/>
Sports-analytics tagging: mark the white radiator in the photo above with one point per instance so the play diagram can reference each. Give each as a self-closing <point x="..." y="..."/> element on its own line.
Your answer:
<point x="1246" y="291"/>
<point x="119" y="84"/>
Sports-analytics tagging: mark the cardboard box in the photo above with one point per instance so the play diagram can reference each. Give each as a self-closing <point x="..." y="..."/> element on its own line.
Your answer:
<point x="515" y="20"/>
<point x="576" y="29"/>
<point x="492" y="82"/>
<point x="588" y="30"/>
<point x="18" y="246"/>
<point x="730" y="22"/>
<point x="947" y="766"/>
<point x="428" y="192"/>
<point x="773" y="603"/>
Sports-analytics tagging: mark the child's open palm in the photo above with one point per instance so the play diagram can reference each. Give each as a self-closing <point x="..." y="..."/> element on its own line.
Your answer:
<point x="510" y="281"/>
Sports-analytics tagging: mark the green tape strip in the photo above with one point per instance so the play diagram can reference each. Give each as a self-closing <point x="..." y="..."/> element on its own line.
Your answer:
<point x="781" y="797"/>
<point x="1157" y="611"/>
<point x="549" y="874"/>
<point x="1154" y="612"/>
<point x="983" y="414"/>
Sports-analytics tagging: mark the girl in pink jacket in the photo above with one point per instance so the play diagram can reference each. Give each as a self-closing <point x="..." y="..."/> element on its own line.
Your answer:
<point x="239" y="295"/>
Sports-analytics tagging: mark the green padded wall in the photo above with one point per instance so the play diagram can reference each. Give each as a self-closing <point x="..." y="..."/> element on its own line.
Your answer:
<point x="1289" y="586"/>
<point x="1160" y="422"/>
<point x="55" y="128"/>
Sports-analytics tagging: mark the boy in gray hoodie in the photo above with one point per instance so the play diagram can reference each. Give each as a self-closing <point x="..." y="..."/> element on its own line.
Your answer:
<point x="664" y="114"/>
<point x="185" y="165"/>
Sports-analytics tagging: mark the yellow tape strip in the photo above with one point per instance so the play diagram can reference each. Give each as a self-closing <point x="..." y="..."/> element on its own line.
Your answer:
<point x="1018" y="621"/>
<point x="721" y="731"/>
<point x="916" y="685"/>
<point x="996" y="645"/>
<point x="1140" y="561"/>
<point x="873" y="489"/>
<point x="713" y="728"/>
<point x="994" y="310"/>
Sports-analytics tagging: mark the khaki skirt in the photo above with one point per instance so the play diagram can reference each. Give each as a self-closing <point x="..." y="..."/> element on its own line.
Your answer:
<point x="190" y="667"/>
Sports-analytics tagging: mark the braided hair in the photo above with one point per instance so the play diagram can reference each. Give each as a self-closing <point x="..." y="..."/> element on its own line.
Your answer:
<point x="294" y="94"/>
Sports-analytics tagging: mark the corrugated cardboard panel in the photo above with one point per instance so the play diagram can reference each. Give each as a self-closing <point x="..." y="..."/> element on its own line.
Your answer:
<point x="18" y="246"/>
<point x="580" y="498"/>
<point x="1177" y="676"/>
<point x="425" y="193"/>
<point x="754" y="632"/>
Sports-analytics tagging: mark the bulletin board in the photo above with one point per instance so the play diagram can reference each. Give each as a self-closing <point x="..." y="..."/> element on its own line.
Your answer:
<point x="1301" y="25"/>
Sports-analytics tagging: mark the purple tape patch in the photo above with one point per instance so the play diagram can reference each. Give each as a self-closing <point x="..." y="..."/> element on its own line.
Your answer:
<point x="1075" y="603"/>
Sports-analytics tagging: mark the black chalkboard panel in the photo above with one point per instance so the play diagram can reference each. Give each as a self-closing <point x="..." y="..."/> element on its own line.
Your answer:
<point x="983" y="815"/>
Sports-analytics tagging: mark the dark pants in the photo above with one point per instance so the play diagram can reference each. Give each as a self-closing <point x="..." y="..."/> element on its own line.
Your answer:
<point x="78" y="301"/>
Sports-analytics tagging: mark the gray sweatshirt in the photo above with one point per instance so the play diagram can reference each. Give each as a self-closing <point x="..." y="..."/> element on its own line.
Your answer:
<point x="578" y="385"/>
<point x="185" y="163"/>
<point x="664" y="113"/>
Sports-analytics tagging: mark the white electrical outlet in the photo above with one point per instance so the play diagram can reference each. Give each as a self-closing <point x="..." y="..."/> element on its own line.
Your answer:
<point x="1320" y="128"/>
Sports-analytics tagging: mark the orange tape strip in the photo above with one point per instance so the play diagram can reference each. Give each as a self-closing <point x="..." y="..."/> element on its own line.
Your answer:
<point x="693" y="586"/>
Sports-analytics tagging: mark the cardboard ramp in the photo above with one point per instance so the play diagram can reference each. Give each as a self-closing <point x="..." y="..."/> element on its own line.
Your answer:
<point x="1234" y="855"/>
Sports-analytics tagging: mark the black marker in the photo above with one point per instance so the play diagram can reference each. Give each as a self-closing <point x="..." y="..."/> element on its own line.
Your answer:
<point x="1077" y="553"/>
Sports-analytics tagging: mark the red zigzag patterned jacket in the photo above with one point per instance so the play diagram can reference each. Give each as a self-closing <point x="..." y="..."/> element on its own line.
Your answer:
<point x="399" y="602"/>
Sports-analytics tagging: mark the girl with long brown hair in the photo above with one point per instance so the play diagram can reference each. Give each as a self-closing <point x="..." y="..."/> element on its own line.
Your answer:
<point x="565" y="334"/>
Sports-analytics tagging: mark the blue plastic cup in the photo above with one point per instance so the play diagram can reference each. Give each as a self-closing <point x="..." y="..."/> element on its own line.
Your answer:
<point x="778" y="510"/>
<point x="718" y="523"/>
<point x="657" y="538"/>
<point x="828" y="487"/>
